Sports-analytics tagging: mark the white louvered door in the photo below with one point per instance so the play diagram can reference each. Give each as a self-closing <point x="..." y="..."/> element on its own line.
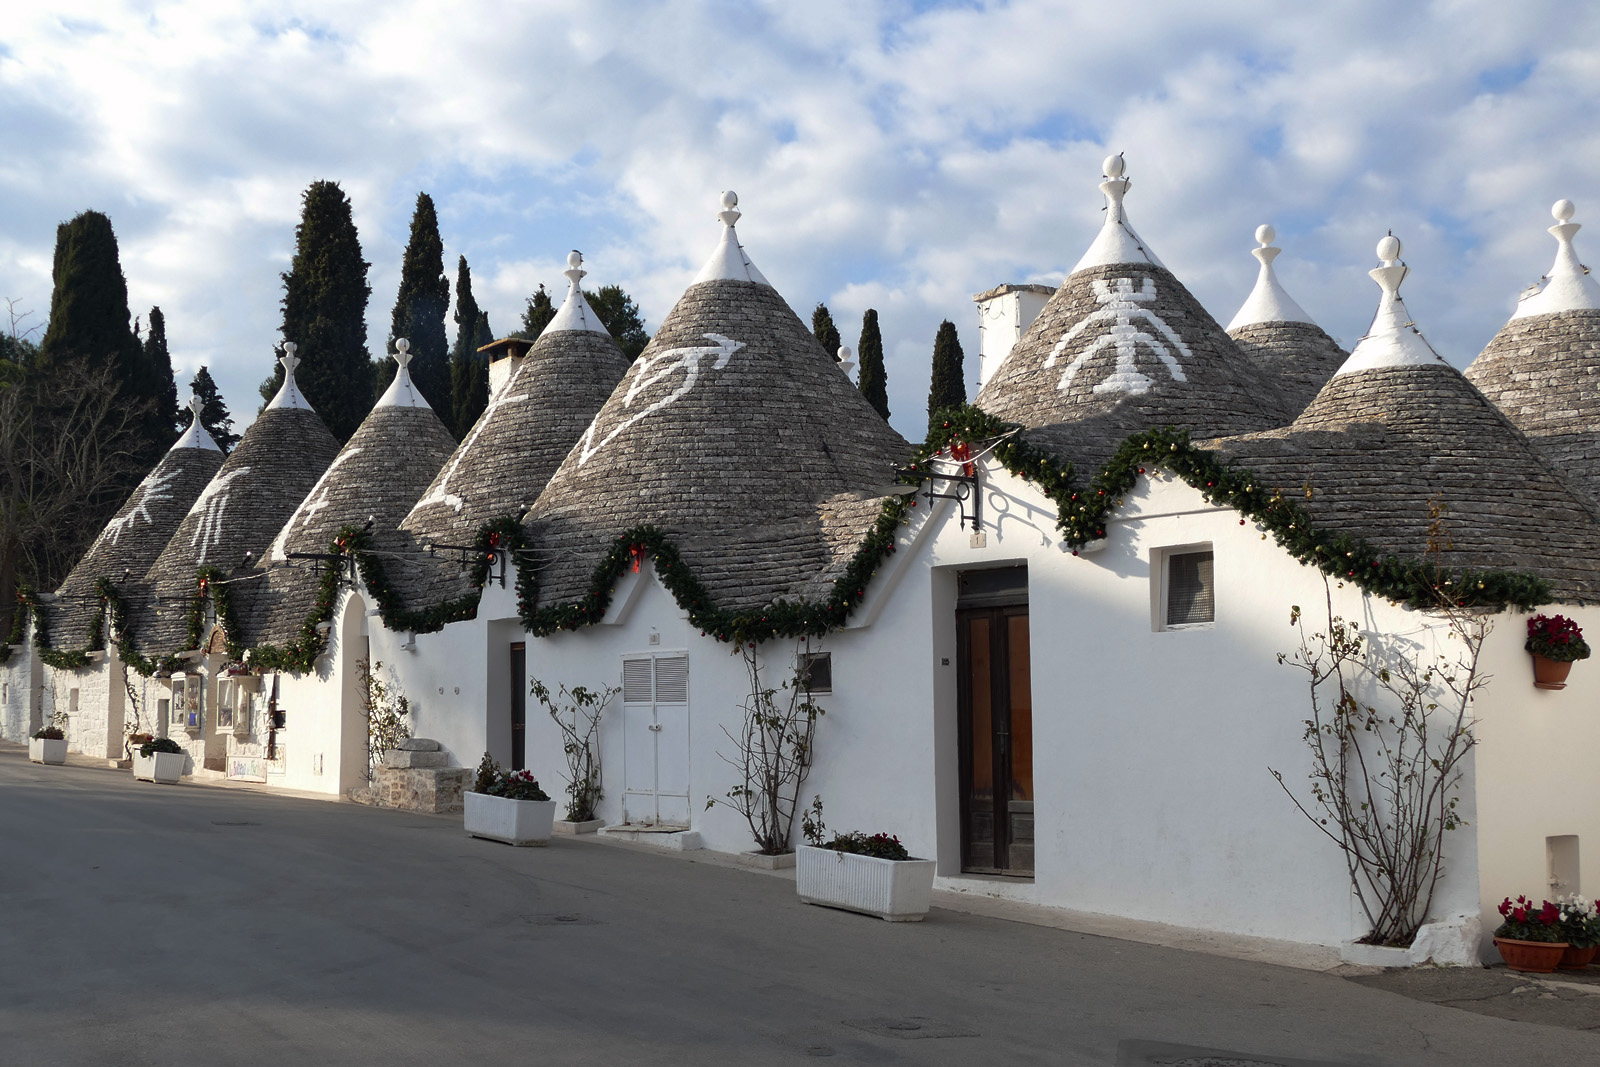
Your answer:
<point x="655" y="735"/>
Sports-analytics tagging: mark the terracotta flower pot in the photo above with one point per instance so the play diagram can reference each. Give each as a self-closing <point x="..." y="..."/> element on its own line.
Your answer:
<point x="1576" y="959"/>
<point x="1537" y="957"/>
<point x="1549" y="673"/>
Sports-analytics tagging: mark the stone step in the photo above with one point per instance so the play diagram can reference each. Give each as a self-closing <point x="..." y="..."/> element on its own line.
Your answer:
<point x="401" y="759"/>
<point x="418" y="744"/>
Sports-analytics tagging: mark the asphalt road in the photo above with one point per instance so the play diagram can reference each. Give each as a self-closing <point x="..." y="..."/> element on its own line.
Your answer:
<point x="144" y="924"/>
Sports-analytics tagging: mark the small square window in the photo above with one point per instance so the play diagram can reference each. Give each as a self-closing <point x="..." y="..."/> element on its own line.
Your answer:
<point x="1188" y="588"/>
<point x="814" y="673"/>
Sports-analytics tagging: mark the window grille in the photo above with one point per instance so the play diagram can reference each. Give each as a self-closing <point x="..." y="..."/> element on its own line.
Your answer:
<point x="1190" y="589"/>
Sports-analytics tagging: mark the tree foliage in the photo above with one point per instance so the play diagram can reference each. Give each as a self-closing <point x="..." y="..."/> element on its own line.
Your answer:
<point x="826" y="333"/>
<point x="948" y="388"/>
<point x="158" y="365"/>
<point x="537" y="315"/>
<point x="873" y="380"/>
<point x="469" y="373"/>
<point x="419" y="309"/>
<point x="214" y="414"/>
<point x="325" y="295"/>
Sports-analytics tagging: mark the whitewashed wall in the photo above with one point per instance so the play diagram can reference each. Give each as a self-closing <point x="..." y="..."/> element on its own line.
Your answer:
<point x="19" y="694"/>
<point x="1538" y="762"/>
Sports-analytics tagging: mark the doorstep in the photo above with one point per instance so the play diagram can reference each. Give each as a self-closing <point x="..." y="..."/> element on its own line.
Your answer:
<point x="673" y="838"/>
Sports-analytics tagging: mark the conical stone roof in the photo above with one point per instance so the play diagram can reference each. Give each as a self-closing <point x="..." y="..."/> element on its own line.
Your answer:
<point x="277" y="461"/>
<point x="737" y="435"/>
<point x="1123" y="347"/>
<point x="138" y="532"/>
<point x="1397" y="434"/>
<point x="1279" y="338"/>
<point x="395" y="452"/>
<point x="1543" y="367"/>
<point x="519" y="441"/>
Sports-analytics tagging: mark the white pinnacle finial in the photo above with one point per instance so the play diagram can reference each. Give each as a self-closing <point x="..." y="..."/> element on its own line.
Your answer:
<point x="1268" y="301"/>
<point x="729" y="262"/>
<point x="195" y="404"/>
<point x="1116" y="243"/>
<point x="402" y="352"/>
<point x="574" y="271"/>
<point x="289" y="393"/>
<point x="195" y="436"/>
<point x="1393" y="340"/>
<point x="1569" y="286"/>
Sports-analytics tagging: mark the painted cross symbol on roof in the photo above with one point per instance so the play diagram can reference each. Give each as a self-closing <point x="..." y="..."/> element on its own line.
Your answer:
<point x="211" y="505"/>
<point x="152" y="490"/>
<point x="657" y="368"/>
<point x="440" y="493"/>
<point x="1122" y="308"/>
<point x="314" y="502"/>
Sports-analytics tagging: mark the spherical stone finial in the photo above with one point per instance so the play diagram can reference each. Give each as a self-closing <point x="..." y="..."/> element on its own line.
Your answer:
<point x="290" y="348"/>
<point x="844" y="353"/>
<point x="730" y="200"/>
<point x="1563" y="210"/>
<point x="402" y="345"/>
<point x="574" y="259"/>
<point x="195" y="404"/>
<point x="1265" y="234"/>
<point x="1389" y="249"/>
<point x="1113" y="166"/>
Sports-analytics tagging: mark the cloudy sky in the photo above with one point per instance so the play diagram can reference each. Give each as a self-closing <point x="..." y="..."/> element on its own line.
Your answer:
<point x="892" y="154"/>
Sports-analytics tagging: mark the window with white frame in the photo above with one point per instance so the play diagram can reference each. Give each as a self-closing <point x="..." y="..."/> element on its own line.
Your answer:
<point x="1185" y="588"/>
<point x="814" y="672"/>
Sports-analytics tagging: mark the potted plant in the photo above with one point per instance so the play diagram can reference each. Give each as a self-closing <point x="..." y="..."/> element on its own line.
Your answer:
<point x="1580" y="926"/>
<point x="868" y="873"/>
<point x="160" y="759"/>
<point x="1555" y="641"/>
<point x="508" y="806"/>
<point x="49" y="745"/>
<point x="1531" y="937"/>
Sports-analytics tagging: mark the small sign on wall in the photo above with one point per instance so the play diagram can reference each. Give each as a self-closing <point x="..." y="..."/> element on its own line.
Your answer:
<point x="247" y="769"/>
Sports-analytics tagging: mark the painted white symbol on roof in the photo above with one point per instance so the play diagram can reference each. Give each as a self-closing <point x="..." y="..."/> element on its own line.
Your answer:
<point x="153" y="490"/>
<point x="1121" y="308"/>
<point x="314" y="502"/>
<point x="212" y="504"/>
<point x="655" y="369"/>
<point x="440" y="492"/>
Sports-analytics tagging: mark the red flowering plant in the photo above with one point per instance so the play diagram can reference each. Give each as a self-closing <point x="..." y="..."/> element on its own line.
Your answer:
<point x="1556" y="637"/>
<point x="1526" y="921"/>
<point x="857" y="843"/>
<point x="512" y="785"/>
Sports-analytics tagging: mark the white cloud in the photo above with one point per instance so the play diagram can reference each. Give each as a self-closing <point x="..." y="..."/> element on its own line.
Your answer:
<point x="886" y="156"/>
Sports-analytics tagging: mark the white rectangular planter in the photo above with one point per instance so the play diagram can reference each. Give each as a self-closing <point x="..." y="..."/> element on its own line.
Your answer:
<point x="159" y="767"/>
<point x="897" y="890"/>
<point x="516" y="822"/>
<point x="46" y="750"/>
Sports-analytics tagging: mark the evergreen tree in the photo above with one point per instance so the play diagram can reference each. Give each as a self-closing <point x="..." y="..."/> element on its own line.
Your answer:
<point x="537" y="315"/>
<point x="949" y="386"/>
<point x="824" y="330"/>
<point x="469" y="378"/>
<point x="89" y="303"/>
<point x="420" y="306"/>
<point x="158" y="365"/>
<point x="214" y="415"/>
<point x="620" y="316"/>
<point x="873" y="380"/>
<point x="325" y="312"/>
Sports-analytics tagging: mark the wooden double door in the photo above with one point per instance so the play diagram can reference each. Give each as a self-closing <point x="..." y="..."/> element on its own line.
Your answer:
<point x="995" y="706"/>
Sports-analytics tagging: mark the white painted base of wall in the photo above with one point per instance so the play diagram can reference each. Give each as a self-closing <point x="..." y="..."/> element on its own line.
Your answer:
<point x="1450" y="943"/>
<point x="587" y="826"/>
<point x="896" y="890"/>
<point x="515" y="822"/>
<point x="761" y="861"/>
<point x="1374" y="955"/>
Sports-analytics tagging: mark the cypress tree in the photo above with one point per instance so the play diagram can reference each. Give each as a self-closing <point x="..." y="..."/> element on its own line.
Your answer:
<point x="873" y="380"/>
<point x="325" y="312"/>
<point x="89" y="302"/>
<point x="420" y="305"/>
<point x="537" y="315"/>
<point x="948" y="388"/>
<point x="823" y="329"/>
<point x="469" y="380"/>
<point x="158" y="366"/>
<point x="214" y="415"/>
